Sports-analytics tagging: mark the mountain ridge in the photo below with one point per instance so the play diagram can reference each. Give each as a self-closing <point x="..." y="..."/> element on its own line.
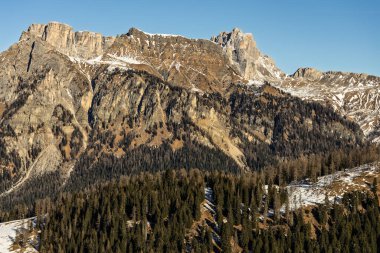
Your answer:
<point x="88" y="103"/>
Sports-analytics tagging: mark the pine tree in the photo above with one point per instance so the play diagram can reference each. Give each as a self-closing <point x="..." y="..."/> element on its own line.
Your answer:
<point x="225" y="238"/>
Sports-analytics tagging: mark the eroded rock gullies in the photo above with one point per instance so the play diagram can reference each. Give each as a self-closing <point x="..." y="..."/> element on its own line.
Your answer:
<point x="45" y="111"/>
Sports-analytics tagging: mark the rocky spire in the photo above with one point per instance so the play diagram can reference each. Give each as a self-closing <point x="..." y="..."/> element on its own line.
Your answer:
<point x="242" y="51"/>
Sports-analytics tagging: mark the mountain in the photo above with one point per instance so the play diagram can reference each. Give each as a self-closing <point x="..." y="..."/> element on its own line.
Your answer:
<point x="78" y="107"/>
<point x="355" y="96"/>
<point x="156" y="142"/>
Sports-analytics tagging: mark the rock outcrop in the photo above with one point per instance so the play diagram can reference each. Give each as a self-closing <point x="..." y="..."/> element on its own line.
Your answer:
<point x="309" y="73"/>
<point x="81" y="44"/>
<point x="242" y="51"/>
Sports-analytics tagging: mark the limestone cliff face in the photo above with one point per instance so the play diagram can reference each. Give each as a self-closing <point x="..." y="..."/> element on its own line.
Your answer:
<point x="197" y="65"/>
<point x="76" y="44"/>
<point x="45" y="100"/>
<point x="309" y="73"/>
<point x="242" y="51"/>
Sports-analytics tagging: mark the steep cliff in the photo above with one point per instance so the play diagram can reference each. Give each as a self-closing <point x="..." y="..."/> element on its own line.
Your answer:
<point x="242" y="52"/>
<point x="77" y="44"/>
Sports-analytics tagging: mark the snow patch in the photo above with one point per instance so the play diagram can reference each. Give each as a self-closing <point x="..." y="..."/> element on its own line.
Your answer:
<point x="257" y="83"/>
<point x="162" y="34"/>
<point x="69" y="93"/>
<point x="95" y="60"/>
<point x="114" y="60"/>
<point x="194" y="89"/>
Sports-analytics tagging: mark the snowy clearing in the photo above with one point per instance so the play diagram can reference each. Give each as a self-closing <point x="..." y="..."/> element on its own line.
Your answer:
<point x="8" y="232"/>
<point x="334" y="186"/>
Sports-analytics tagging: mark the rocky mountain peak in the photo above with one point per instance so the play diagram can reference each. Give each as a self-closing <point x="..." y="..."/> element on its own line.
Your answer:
<point x="81" y="44"/>
<point x="310" y="73"/>
<point x="235" y="39"/>
<point x="133" y="31"/>
<point x="242" y="51"/>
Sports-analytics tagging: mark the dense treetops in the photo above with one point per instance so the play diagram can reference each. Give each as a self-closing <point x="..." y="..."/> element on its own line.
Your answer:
<point x="155" y="213"/>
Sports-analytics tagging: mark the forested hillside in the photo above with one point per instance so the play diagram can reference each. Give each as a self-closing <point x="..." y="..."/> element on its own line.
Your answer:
<point x="157" y="213"/>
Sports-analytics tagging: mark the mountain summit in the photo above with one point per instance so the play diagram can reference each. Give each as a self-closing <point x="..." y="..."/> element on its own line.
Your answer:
<point x="81" y="44"/>
<point x="241" y="51"/>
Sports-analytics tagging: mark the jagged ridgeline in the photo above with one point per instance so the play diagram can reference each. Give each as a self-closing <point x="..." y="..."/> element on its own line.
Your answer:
<point x="77" y="108"/>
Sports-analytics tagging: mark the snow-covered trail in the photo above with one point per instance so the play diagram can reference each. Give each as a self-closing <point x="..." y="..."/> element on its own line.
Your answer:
<point x="209" y="198"/>
<point x="209" y="206"/>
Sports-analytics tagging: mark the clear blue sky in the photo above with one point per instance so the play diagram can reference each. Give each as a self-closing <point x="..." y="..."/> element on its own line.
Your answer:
<point x="325" y="34"/>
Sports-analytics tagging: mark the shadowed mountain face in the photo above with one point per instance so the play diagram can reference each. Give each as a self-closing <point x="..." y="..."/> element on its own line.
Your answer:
<point x="78" y="106"/>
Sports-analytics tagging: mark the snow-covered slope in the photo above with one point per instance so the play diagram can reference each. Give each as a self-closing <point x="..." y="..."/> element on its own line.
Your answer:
<point x="8" y="231"/>
<point x="356" y="96"/>
<point x="332" y="186"/>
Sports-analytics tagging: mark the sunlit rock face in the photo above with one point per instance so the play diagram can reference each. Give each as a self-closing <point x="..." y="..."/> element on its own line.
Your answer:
<point x="82" y="44"/>
<point x="241" y="51"/>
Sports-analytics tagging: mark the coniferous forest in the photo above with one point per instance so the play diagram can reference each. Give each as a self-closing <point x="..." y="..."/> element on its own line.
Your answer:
<point x="157" y="212"/>
<point x="191" y="210"/>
